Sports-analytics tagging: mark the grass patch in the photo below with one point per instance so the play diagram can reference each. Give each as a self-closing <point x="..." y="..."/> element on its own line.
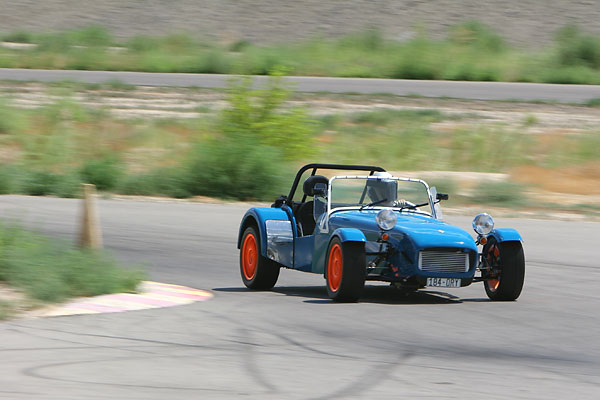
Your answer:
<point x="471" y="51"/>
<point x="593" y="102"/>
<point x="502" y="194"/>
<point x="51" y="270"/>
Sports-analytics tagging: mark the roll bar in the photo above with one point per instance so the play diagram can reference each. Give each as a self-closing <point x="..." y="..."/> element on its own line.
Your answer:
<point x="371" y="168"/>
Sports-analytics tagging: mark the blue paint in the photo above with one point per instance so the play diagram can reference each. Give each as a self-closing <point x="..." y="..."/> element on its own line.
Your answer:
<point x="349" y="235"/>
<point x="413" y="233"/>
<point x="260" y="215"/>
<point x="506" y="235"/>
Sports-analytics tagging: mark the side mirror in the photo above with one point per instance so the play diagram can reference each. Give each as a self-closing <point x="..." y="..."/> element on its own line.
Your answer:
<point x="320" y="190"/>
<point x="442" y="196"/>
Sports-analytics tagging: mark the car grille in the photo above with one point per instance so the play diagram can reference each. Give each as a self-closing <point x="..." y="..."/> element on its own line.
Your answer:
<point x="443" y="261"/>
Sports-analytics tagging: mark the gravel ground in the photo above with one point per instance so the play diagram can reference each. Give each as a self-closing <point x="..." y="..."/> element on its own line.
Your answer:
<point x="527" y="23"/>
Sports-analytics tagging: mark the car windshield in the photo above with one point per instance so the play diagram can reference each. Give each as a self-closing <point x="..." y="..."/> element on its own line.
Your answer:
<point x="365" y="192"/>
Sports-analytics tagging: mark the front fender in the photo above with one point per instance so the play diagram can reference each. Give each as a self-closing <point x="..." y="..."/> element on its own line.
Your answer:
<point x="258" y="216"/>
<point x="349" y="235"/>
<point x="506" y="235"/>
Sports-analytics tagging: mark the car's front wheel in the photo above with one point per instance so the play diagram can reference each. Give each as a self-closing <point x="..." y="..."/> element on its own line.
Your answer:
<point x="345" y="270"/>
<point x="509" y="260"/>
<point x="257" y="272"/>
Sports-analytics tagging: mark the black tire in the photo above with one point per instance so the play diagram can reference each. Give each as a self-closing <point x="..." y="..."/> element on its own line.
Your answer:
<point x="345" y="270"/>
<point x="258" y="272"/>
<point x="511" y="262"/>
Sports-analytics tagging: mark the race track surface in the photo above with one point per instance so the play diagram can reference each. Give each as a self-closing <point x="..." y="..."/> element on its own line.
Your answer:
<point x="399" y="87"/>
<point x="293" y="343"/>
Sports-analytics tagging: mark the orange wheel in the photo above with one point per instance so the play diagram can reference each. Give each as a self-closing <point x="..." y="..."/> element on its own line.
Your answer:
<point x="334" y="268"/>
<point x="249" y="256"/>
<point x="345" y="270"/>
<point x="258" y="272"/>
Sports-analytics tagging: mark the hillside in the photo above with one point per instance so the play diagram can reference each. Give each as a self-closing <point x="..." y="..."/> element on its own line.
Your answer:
<point x="526" y="23"/>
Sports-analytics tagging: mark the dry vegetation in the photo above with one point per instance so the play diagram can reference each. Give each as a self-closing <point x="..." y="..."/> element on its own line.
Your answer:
<point x="550" y="151"/>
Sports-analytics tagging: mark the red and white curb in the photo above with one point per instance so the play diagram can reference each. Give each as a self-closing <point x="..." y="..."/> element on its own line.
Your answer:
<point x="152" y="295"/>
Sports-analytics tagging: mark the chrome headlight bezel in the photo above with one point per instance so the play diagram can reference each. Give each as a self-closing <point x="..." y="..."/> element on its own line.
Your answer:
<point x="483" y="224"/>
<point x="386" y="219"/>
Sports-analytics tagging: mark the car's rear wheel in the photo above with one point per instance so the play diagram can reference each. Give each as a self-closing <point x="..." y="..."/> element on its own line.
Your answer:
<point x="257" y="272"/>
<point x="508" y="258"/>
<point x="345" y="270"/>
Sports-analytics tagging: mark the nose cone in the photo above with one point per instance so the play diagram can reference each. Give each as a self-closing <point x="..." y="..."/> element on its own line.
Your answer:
<point x="427" y="232"/>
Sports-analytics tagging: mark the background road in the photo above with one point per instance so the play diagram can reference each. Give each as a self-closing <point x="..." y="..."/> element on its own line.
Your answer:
<point x="399" y="87"/>
<point x="293" y="343"/>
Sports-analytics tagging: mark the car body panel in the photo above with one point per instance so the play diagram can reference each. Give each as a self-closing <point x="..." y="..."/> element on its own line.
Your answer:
<point x="413" y="232"/>
<point x="260" y="215"/>
<point x="506" y="235"/>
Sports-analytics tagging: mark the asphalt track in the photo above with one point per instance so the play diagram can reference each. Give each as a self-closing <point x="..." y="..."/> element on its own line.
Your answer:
<point x="293" y="343"/>
<point x="400" y="87"/>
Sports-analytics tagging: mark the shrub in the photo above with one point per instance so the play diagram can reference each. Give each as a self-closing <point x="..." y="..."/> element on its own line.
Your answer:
<point x="476" y="34"/>
<point x="167" y="182"/>
<point x="259" y="116"/>
<point x="575" y="48"/>
<point x="40" y="183"/>
<point x="6" y="181"/>
<point x="104" y="173"/>
<point x="507" y="194"/>
<point x="18" y="37"/>
<point x="94" y="35"/>
<point x="235" y="168"/>
<point x="67" y="185"/>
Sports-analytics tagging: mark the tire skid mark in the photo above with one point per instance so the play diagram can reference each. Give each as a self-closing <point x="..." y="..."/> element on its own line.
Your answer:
<point x="251" y="364"/>
<point x="37" y="372"/>
<point x="115" y="337"/>
<point x="87" y="345"/>
<point x="371" y="377"/>
<point x="312" y="349"/>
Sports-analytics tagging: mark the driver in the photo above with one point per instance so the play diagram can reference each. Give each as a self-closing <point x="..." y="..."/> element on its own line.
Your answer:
<point x="382" y="191"/>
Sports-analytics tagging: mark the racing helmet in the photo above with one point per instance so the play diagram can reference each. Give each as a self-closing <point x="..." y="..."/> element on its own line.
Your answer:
<point x="382" y="189"/>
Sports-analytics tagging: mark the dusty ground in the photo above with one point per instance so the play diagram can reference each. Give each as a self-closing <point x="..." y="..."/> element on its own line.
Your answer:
<point x="528" y="23"/>
<point x="160" y="102"/>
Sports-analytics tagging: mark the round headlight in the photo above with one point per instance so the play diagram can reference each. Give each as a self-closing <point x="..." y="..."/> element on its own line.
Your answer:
<point x="483" y="223"/>
<point x="386" y="219"/>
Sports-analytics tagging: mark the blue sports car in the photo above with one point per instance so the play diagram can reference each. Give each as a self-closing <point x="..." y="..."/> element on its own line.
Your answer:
<point x="367" y="225"/>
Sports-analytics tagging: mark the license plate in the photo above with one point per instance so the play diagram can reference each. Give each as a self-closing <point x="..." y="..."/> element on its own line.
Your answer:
<point x="443" y="282"/>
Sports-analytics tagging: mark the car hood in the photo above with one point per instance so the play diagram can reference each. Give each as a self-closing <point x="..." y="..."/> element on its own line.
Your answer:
<point x="423" y="231"/>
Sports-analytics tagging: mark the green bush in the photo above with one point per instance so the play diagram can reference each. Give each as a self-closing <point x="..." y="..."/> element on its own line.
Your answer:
<point x="476" y="34"/>
<point x="575" y="48"/>
<point x="18" y="37"/>
<point x="67" y="185"/>
<point x="40" y="183"/>
<point x="105" y="173"/>
<point x="170" y="182"/>
<point x="52" y="270"/>
<point x="235" y="168"/>
<point x="259" y="116"/>
<point x="503" y="194"/>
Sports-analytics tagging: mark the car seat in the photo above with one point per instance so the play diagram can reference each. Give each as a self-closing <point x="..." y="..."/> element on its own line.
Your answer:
<point x="304" y="214"/>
